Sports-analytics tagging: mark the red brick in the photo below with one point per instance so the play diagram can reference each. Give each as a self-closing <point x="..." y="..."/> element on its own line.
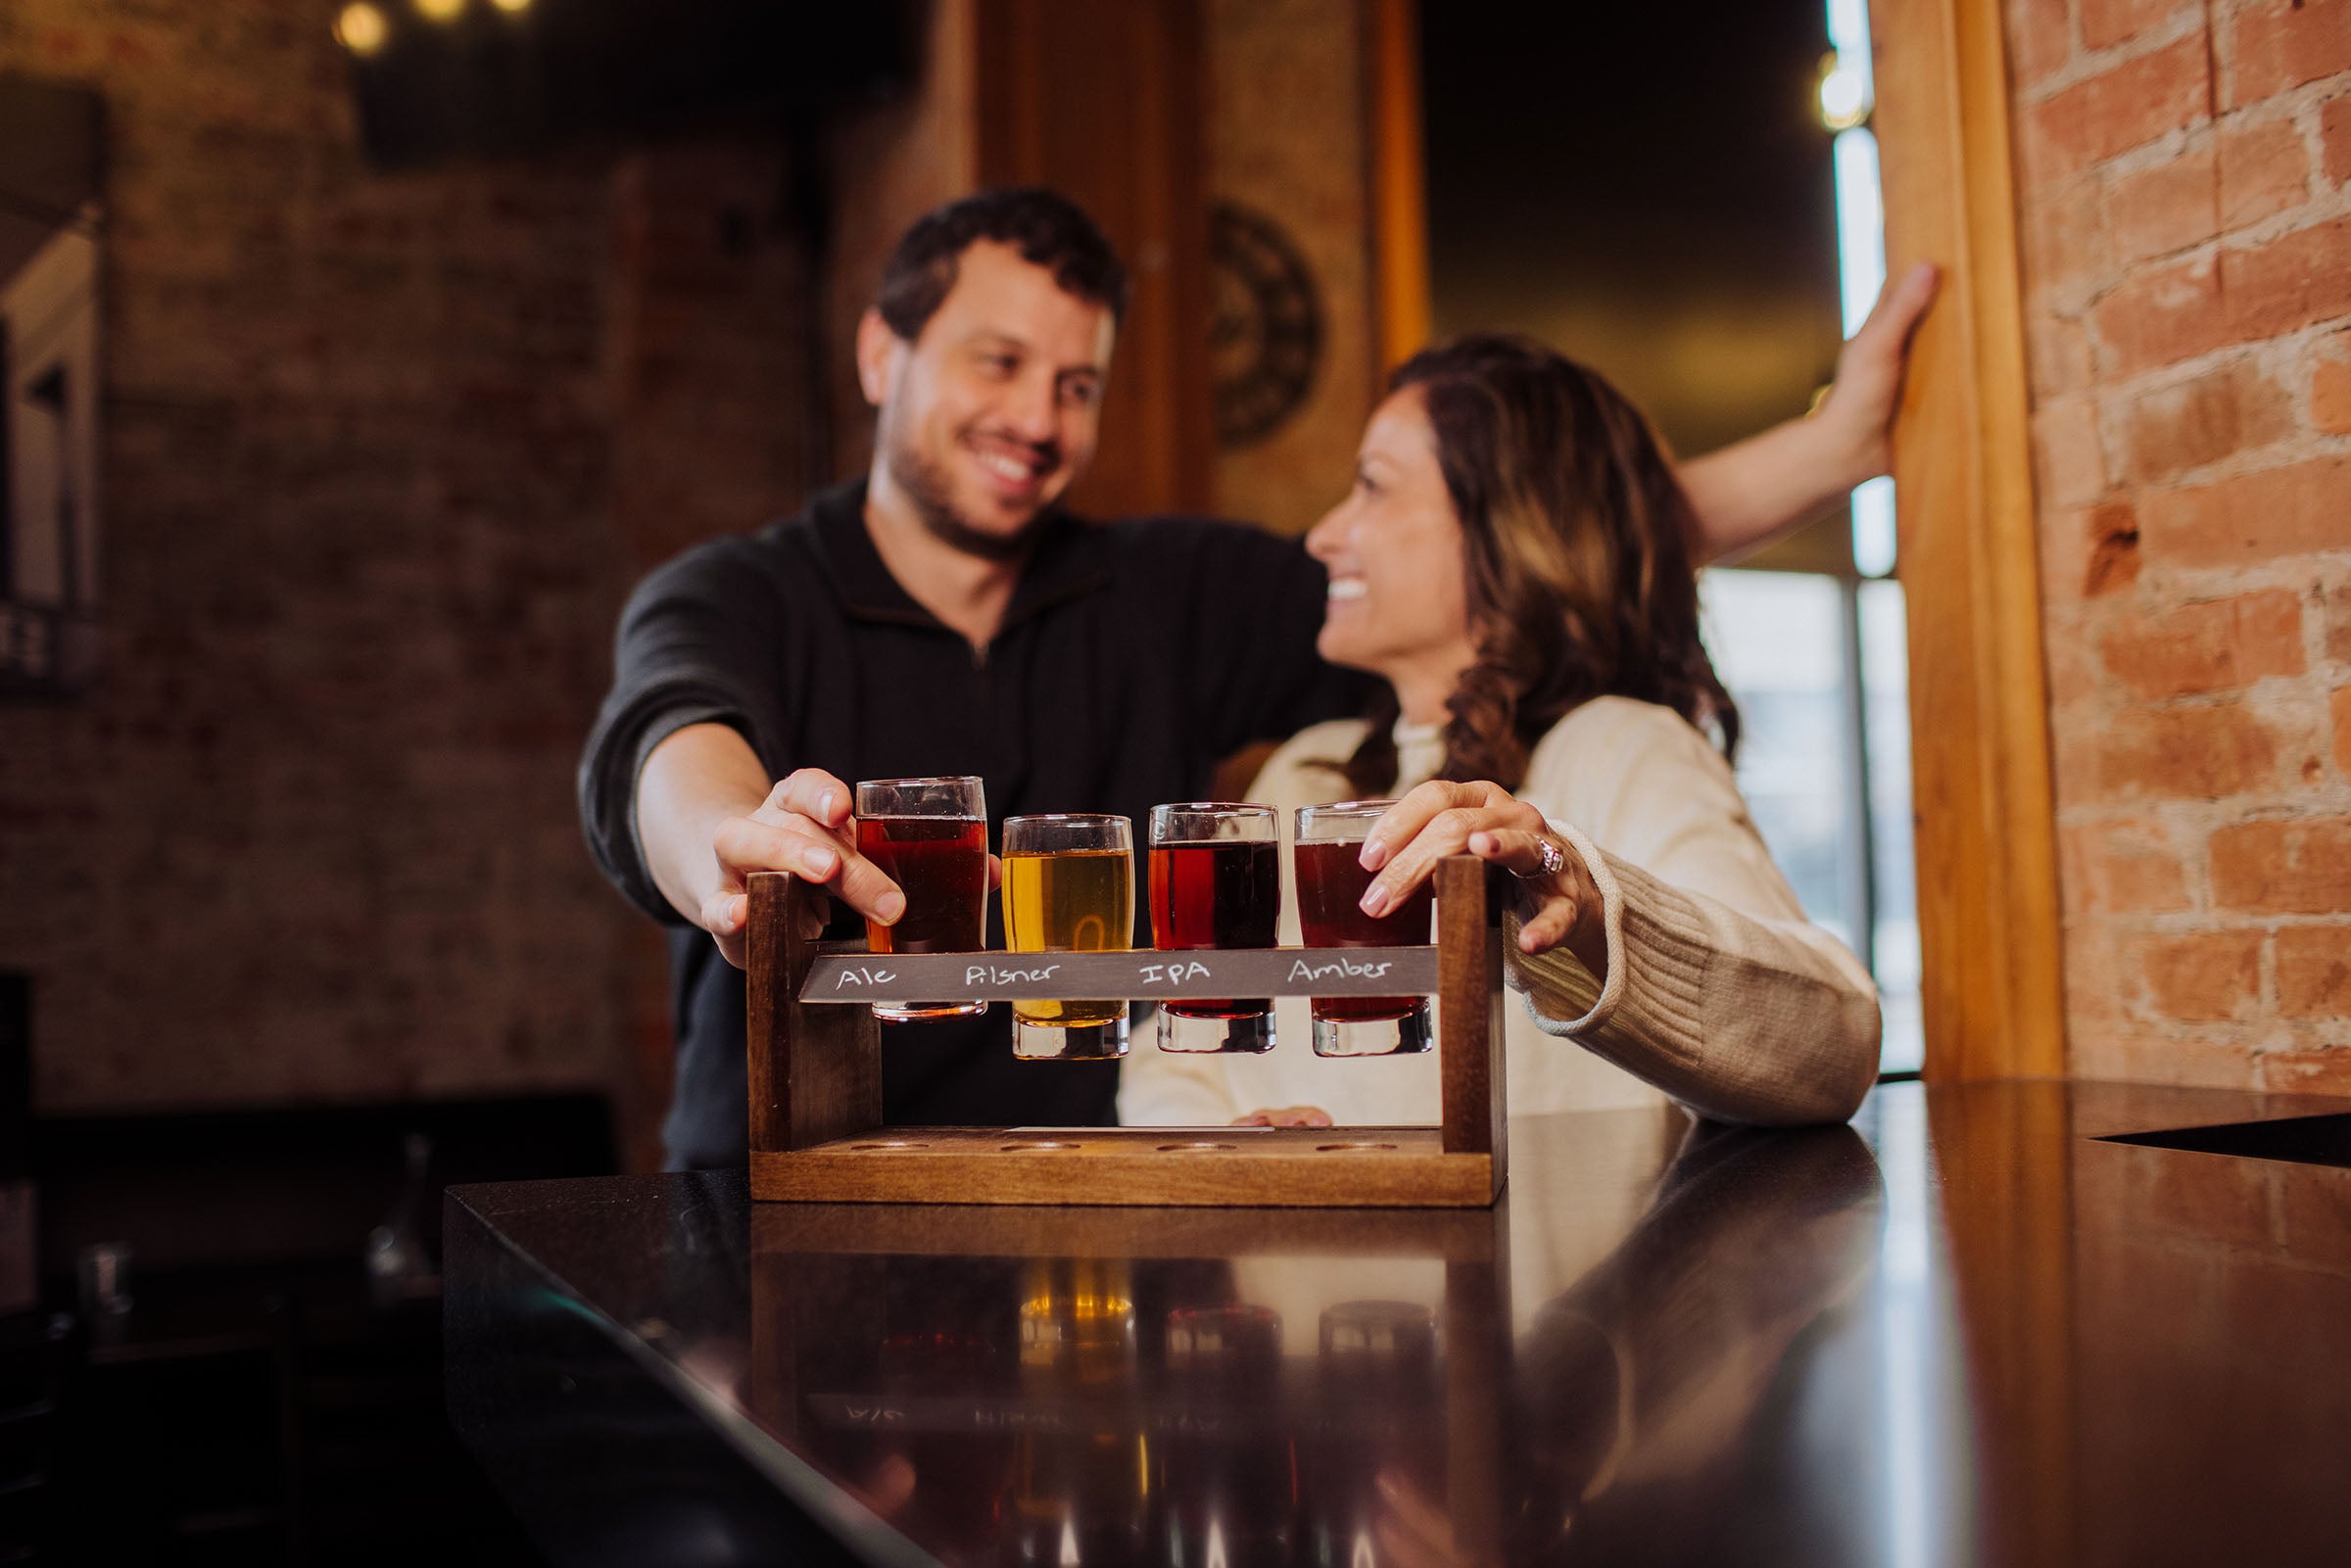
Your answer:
<point x="2066" y="249"/>
<point x="2059" y="355"/>
<point x="2117" y="873"/>
<point x="2166" y="208"/>
<point x="2284" y="43"/>
<point x="2319" y="1071"/>
<point x="2334" y="136"/>
<point x="2090" y="553"/>
<point x="2066" y="448"/>
<point x="2339" y="620"/>
<point x="2293" y="511"/>
<point x="2040" y="38"/>
<point x="2331" y="385"/>
<point x="2213" y="647"/>
<point x="2314" y="972"/>
<point x="2107" y="23"/>
<point x="2291" y="282"/>
<point x="2135" y="102"/>
<point x="2300" y="867"/>
<point x="2074" y="676"/>
<point x="2263" y="170"/>
<point x="2163" y="315"/>
<point x="2338" y="714"/>
<point x="2208" y="417"/>
<point x="2192" y="753"/>
<point x="2208" y="977"/>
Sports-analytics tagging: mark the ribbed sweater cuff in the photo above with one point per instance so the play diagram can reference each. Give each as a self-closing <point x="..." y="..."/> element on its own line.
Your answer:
<point x="1656" y="957"/>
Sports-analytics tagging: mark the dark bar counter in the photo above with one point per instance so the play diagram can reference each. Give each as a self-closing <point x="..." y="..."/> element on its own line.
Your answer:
<point x="1974" y="1327"/>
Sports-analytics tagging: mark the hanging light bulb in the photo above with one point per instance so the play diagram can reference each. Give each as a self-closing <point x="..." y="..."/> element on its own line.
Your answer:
<point x="361" y="28"/>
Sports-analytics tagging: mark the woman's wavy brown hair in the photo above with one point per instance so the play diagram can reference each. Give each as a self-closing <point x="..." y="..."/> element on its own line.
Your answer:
<point x="1575" y="534"/>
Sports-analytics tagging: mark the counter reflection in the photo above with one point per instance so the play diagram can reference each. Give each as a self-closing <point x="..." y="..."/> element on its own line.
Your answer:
<point x="1073" y="1387"/>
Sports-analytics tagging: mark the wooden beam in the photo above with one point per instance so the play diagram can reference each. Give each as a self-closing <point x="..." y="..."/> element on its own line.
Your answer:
<point x="1988" y="907"/>
<point x="1399" y="182"/>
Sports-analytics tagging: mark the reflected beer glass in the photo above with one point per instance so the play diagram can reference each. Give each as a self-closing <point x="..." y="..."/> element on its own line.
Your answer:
<point x="1069" y="887"/>
<point x="930" y="836"/>
<point x="1216" y="882"/>
<point x="1330" y="886"/>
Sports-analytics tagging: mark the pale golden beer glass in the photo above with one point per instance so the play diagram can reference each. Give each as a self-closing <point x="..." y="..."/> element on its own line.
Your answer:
<point x="1069" y="887"/>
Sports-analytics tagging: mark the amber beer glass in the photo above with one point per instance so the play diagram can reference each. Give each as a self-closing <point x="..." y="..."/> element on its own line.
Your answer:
<point x="1069" y="887"/>
<point x="1330" y="887"/>
<point x="1216" y="882"/>
<point x="930" y="836"/>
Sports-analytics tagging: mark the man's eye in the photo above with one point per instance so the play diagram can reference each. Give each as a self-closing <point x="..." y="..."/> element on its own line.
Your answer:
<point x="1081" y="393"/>
<point x="1002" y="364"/>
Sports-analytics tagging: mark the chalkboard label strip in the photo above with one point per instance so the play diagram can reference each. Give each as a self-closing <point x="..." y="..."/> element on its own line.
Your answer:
<point x="1145" y="975"/>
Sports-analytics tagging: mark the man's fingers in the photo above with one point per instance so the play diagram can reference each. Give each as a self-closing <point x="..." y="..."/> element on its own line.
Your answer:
<point x="815" y="794"/>
<point x="745" y="844"/>
<point x="726" y="914"/>
<point x="1288" y="1116"/>
<point x="1513" y="849"/>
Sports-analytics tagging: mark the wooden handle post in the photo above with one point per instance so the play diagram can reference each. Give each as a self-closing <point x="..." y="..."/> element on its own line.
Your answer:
<point x="815" y="1073"/>
<point x="1470" y="1064"/>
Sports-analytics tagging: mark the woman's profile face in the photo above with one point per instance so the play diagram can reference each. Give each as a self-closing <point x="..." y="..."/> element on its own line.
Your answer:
<point x="1398" y="604"/>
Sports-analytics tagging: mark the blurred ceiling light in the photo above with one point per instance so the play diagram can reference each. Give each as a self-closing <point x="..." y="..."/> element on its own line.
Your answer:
<point x="440" y="9"/>
<point x="361" y="28"/>
<point x="512" y="7"/>
<point x="1844" y="96"/>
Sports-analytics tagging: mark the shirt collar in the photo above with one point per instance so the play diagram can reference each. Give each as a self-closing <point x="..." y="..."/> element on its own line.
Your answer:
<point x="1070" y="559"/>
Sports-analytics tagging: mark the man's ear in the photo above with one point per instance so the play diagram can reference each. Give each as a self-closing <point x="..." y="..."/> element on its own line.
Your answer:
<point x="877" y="356"/>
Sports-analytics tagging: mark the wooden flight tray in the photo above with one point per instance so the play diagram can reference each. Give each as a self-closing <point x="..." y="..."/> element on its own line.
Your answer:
<point x="815" y="1072"/>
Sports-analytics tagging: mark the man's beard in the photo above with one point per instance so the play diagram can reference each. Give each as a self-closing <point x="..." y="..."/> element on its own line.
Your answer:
<point x="927" y="486"/>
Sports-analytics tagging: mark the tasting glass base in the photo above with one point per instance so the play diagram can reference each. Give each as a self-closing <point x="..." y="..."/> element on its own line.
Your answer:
<point x="1405" y="1037"/>
<point x="916" y="1012"/>
<point x="1068" y="1042"/>
<point x="1252" y="1035"/>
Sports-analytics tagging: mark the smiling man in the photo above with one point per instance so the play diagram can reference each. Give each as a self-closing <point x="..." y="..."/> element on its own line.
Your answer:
<point x="943" y="615"/>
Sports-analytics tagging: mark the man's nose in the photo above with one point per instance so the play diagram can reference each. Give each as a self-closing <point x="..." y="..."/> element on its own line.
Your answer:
<point x="1034" y="410"/>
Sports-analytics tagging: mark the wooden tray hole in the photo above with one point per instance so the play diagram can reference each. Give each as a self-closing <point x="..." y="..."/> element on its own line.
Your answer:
<point x="1194" y="1148"/>
<point x="1343" y="1147"/>
<point x="1040" y="1146"/>
<point x="891" y="1146"/>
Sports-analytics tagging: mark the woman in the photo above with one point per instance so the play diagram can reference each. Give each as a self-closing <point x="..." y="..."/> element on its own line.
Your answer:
<point x="1511" y="561"/>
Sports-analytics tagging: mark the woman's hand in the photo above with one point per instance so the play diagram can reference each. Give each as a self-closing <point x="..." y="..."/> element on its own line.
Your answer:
<point x="1560" y="907"/>
<point x="1287" y="1116"/>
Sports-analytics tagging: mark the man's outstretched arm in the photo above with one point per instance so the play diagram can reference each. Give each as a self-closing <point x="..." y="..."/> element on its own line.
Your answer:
<point x="1751" y="491"/>
<point x="707" y="817"/>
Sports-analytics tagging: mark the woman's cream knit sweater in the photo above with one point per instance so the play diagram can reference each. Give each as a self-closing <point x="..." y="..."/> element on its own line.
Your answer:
<point x="1718" y="992"/>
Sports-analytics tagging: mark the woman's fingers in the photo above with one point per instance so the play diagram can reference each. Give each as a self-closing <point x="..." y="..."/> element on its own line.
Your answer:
<point x="1459" y="812"/>
<point x="1403" y="822"/>
<point x="1284" y="1115"/>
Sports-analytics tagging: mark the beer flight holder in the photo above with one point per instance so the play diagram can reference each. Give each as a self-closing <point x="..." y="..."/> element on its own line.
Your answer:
<point x="814" y="1059"/>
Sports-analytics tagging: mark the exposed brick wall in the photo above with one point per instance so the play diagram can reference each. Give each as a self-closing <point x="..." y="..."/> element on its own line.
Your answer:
<point x="381" y="455"/>
<point x="2186" y="230"/>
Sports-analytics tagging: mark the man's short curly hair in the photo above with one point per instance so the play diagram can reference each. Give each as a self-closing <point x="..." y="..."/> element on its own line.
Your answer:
<point x="1046" y="227"/>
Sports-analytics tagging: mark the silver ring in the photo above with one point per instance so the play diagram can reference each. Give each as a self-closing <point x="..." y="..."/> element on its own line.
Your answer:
<point x="1554" y="861"/>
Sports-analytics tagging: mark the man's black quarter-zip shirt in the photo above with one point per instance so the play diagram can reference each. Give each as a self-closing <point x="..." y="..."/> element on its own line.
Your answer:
<point x="1132" y="656"/>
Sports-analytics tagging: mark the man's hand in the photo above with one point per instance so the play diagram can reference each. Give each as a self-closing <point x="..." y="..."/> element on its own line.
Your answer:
<point x="803" y="827"/>
<point x="1863" y="401"/>
<point x="1750" y="493"/>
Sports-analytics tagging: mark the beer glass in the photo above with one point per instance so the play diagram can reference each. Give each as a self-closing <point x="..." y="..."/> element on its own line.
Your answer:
<point x="930" y="836"/>
<point x="1069" y="887"/>
<point x="1216" y="882"/>
<point x="1331" y="883"/>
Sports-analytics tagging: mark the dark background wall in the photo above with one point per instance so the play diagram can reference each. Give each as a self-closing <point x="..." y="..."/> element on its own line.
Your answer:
<point x="381" y="454"/>
<point x="1648" y="189"/>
